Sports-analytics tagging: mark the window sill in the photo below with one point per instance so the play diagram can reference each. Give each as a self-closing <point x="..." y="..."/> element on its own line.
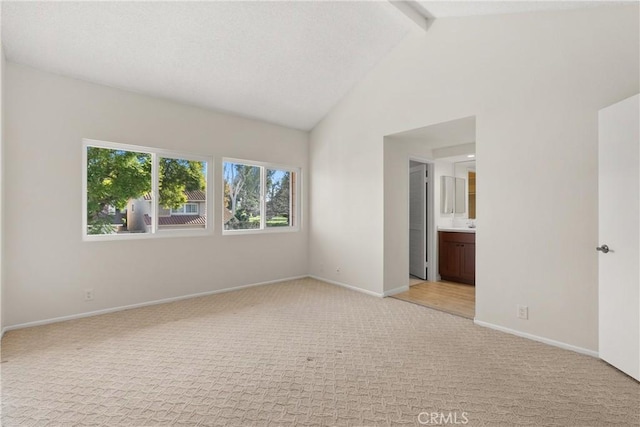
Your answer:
<point x="263" y="231"/>
<point x="161" y="234"/>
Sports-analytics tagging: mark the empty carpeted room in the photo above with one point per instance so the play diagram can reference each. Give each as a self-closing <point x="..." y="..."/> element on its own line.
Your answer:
<point x="208" y="207"/>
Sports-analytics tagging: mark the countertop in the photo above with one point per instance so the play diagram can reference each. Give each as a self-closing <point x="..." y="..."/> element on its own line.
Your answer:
<point x="458" y="229"/>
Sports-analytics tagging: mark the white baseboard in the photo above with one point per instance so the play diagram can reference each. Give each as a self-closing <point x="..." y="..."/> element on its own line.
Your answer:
<point x="537" y="338"/>
<point x="333" y="282"/>
<point x="142" y="304"/>
<point x="396" y="290"/>
<point x="344" y="285"/>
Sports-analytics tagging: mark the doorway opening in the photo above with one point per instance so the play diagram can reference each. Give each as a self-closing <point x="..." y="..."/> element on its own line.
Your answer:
<point x="450" y="297"/>
<point x="440" y="167"/>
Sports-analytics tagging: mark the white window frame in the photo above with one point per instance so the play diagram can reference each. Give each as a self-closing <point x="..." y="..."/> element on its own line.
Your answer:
<point x="263" y="204"/>
<point x="156" y="154"/>
<point x="184" y="212"/>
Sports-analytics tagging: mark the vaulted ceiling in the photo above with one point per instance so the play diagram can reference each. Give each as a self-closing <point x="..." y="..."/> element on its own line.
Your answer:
<point x="444" y="9"/>
<point x="287" y="62"/>
<point x="283" y="62"/>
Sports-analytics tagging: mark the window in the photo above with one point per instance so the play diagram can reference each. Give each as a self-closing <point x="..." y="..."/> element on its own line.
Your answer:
<point x="133" y="192"/>
<point x="278" y="198"/>
<point x="186" y="209"/>
<point x="259" y="196"/>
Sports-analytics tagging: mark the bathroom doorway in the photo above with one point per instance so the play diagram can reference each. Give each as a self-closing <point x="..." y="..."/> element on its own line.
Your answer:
<point x="439" y="270"/>
<point x="453" y="289"/>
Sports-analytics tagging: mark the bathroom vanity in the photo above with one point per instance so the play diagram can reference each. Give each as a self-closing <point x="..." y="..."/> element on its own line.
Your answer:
<point x="457" y="254"/>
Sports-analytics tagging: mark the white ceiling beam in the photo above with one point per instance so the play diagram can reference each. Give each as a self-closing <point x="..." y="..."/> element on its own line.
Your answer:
<point x="414" y="13"/>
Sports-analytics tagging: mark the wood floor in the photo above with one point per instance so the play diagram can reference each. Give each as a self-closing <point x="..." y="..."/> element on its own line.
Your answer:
<point x="454" y="298"/>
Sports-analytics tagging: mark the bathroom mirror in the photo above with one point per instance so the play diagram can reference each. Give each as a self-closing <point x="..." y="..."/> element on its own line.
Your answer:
<point x="447" y="194"/>
<point x="467" y="171"/>
<point x="452" y="195"/>
<point x="460" y="205"/>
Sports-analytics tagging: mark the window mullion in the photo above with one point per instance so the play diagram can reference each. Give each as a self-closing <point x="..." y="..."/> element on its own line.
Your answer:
<point x="263" y="192"/>
<point x="292" y="181"/>
<point x="155" y="192"/>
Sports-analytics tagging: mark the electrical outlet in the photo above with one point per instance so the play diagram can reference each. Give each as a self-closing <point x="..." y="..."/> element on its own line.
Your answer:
<point x="88" y="294"/>
<point x="523" y="312"/>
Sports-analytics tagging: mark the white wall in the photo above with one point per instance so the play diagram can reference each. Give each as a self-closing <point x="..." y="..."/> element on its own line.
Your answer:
<point x="396" y="158"/>
<point x="534" y="82"/>
<point x="48" y="265"/>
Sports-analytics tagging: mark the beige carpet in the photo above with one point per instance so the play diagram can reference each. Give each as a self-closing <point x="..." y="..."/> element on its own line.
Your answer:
<point x="299" y="353"/>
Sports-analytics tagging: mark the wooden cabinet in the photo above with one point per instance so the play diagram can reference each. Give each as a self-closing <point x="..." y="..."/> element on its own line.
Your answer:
<point x="457" y="256"/>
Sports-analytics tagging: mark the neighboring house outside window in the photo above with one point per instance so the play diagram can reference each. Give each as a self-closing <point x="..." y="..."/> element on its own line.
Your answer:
<point x="192" y="214"/>
<point x="186" y="209"/>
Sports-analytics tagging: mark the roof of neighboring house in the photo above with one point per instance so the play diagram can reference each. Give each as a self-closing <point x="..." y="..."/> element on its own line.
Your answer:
<point x="178" y="220"/>
<point x="196" y="196"/>
<point x="192" y="196"/>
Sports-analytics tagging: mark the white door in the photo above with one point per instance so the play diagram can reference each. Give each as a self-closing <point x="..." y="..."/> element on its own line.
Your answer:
<point x="619" y="215"/>
<point x="417" y="221"/>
